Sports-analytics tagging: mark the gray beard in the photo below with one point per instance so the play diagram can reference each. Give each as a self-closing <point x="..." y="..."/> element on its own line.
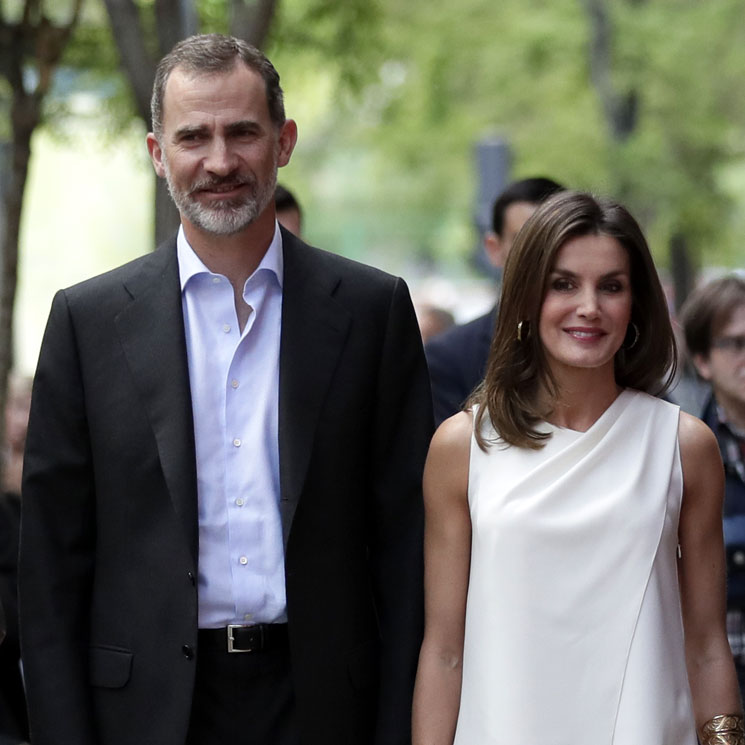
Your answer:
<point x="223" y="217"/>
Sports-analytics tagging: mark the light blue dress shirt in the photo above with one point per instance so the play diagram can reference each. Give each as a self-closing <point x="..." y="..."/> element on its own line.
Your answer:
<point x="234" y="380"/>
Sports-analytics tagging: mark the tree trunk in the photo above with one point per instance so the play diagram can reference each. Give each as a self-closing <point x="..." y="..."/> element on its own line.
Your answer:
<point x="167" y="218"/>
<point x="31" y="42"/>
<point x="251" y="20"/>
<point x="138" y="63"/>
<point x="620" y="108"/>
<point x="681" y="269"/>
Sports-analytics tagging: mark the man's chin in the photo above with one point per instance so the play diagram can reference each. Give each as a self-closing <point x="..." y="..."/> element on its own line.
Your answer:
<point x="222" y="222"/>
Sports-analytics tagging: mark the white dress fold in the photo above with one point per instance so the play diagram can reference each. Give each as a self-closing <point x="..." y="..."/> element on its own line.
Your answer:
<point x="573" y="625"/>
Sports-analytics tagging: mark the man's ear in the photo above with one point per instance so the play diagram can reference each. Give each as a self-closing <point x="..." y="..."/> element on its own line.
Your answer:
<point x="702" y="366"/>
<point x="287" y="140"/>
<point x="156" y="154"/>
<point x="494" y="249"/>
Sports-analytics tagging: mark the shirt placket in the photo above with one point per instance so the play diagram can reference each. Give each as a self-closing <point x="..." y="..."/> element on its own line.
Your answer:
<point x="244" y="516"/>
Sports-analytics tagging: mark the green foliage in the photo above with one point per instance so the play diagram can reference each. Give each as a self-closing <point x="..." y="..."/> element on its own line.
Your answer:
<point x="340" y="39"/>
<point x="391" y="97"/>
<point x="449" y="74"/>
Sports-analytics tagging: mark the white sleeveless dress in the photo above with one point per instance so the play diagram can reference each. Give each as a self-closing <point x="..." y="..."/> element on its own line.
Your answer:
<point x="573" y="632"/>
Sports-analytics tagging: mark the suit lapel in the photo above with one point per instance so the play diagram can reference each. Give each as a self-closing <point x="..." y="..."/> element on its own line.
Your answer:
<point x="151" y="329"/>
<point x="314" y="328"/>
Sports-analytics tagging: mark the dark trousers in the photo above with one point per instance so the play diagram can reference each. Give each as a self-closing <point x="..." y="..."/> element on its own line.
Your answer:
<point x="243" y="698"/>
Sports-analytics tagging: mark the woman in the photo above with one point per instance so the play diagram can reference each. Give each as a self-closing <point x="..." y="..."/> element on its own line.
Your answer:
<point x="574" y="561"/>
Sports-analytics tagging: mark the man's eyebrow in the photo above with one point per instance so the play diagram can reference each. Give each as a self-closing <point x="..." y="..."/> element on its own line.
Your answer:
<point x="189" y="129"/>
<point x="242" y="127"/>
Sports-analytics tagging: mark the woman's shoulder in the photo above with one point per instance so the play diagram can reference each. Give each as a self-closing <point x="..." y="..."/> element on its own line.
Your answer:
<point x="703" y="473"/>
<point x="699" y="454"/>
<point x="454" y="433"/>
<point x="696" y="438"/>
<point x="446" y="471"/>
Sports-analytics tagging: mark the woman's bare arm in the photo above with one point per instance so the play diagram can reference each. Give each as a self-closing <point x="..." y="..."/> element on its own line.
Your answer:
<point x="711" y="671"/>
<point x="447" y="549"/>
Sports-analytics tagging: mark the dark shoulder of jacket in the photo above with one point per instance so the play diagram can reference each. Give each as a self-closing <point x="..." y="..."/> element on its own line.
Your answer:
<point x="152" y="264"/>
<point x="363" y="276"/>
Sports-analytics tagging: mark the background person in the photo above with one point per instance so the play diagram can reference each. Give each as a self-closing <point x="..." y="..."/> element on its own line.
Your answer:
<point x="457" y="357"/>
<point x="557" y="509"/>
<point x="222" y="516"/>
<point x="713" y="319"/>
<point x="433" y="320"/>
<point x="13" y="719"/>
<point x="289" y="214"/>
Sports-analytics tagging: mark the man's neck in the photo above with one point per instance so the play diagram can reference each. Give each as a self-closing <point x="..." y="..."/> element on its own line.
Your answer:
<point x="234" y="256"/>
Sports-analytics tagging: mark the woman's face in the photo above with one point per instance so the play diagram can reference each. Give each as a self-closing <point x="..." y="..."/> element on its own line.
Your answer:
<point x="587" y="307"/>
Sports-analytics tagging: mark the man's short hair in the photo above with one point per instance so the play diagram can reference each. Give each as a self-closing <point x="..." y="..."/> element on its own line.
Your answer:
<point x="708" y="309"/>
<point x="531" y="190"/>
<point x="210" y="54"/>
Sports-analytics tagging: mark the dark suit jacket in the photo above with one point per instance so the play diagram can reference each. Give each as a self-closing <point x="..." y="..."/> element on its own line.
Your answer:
<point x="457" y="363"/>
<point x="109" y="537"/>
<point x="13" y="722"/>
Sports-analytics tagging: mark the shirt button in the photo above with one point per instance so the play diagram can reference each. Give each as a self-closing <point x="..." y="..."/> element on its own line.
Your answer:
<point x="226" y="327"/>
<point x="240" y="501"/>
<point x="234" y="383"/>
<point x="248" y="616"/>
<point x="216" y="280"/>
<point x="237" y="442"/>
<point x="243" y="560"/>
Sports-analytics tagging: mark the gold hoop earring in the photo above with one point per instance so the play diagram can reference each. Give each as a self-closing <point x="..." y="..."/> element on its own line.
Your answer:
<point x="522" y="325"/>
<point x="636" y="337"/>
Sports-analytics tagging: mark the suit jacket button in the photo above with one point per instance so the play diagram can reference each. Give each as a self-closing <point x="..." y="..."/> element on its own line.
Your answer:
<point x="188" y="652"/>
<point x="193" y="581"/>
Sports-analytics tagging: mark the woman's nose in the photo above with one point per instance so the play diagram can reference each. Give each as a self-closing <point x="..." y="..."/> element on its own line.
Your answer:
<point x="588" y="305"/>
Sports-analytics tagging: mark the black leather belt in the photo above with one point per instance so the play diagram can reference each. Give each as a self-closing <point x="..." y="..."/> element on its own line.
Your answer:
<point x="236" y="638"/>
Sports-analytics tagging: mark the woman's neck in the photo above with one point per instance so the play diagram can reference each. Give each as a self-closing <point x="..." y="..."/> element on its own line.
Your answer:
<point x="582" y="397"/>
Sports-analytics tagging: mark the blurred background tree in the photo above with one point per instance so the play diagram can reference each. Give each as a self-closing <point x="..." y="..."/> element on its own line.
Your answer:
<point x="532" y="72"/>
<point x="33" y="37"/>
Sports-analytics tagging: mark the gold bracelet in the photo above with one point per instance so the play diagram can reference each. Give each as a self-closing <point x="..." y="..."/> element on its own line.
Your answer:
<point x="723" y="729"/>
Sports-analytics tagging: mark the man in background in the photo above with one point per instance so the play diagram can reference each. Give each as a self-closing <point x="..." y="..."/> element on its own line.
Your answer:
<point x="289" y="214"/>
<point x="13" y="719"/>
<point x="457" y="358"/>
<point x="713" y="319"/>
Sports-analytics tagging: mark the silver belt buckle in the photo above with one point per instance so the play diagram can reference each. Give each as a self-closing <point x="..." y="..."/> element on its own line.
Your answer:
<point x="231" y="638"/>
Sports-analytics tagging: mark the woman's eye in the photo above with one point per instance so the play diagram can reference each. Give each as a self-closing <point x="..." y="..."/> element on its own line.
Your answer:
<point x="613" y="287"/>
<point x="562" y="285"/>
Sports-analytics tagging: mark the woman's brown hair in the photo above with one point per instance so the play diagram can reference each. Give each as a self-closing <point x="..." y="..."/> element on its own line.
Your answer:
<point x="517" y="370"/>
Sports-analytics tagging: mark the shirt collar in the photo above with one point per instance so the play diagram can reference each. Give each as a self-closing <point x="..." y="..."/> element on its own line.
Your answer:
<point x="190" y="265"/>
<point x="724" y="422"/>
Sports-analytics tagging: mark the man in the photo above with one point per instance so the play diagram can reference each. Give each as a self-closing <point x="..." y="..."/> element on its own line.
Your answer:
<point x="457" y="357"/>
<point x="222" y="519"/>
<point x="713" y="319"/>
<point x="289" y="214"/>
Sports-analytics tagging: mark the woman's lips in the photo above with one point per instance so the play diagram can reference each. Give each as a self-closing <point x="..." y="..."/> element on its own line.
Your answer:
<point x="585" y="334"/>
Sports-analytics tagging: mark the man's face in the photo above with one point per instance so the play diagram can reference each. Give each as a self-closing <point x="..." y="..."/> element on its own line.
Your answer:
<point x="219" y="150"/>
<point x="515" y="216"/>
<point x="724" y="368"/>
